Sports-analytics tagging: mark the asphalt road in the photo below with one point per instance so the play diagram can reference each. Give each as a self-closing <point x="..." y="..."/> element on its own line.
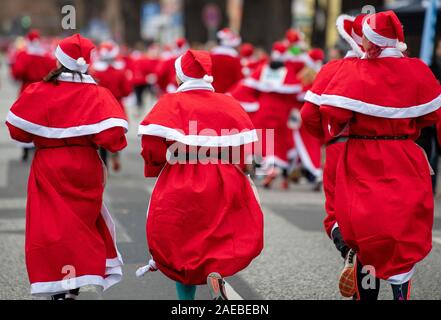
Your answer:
<point x="298" y="262"/>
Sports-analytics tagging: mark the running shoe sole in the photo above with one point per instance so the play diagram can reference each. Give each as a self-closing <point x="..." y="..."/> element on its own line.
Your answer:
<point x="348" y="282"/>
<point x="216" y="286"/>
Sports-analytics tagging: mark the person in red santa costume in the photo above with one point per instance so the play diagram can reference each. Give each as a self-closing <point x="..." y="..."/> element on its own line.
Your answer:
<point x="31" y="65"/>
<point x="269" y="97"/>
<point x="383" y="198"/>
<point x="296" y="53"/>
<point x="250" y="62"/>
<point x="70" y="236"/>
<point x="351" y="30"/>
<point x="227" y="67"/>
<point x="166" y="68"/>
<point x="193" y="141"/>
<point x="142" y="70"/>
<point x="307" y="148"/>
<point x="110" y="72"/>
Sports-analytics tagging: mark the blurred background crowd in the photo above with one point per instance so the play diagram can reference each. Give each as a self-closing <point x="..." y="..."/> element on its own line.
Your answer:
<point x="138" y="23"/>
<point x="143" y="38"/>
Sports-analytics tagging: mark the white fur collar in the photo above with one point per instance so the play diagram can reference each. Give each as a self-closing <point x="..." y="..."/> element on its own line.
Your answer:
<point x="69" y="77"/>
<point x="198" y="84"/>
<point x="224" y="50"/>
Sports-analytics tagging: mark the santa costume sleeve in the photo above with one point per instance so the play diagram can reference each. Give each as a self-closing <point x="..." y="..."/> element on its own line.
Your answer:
<point x="310" y="112"/>
<point x="18" y="69"/>
<point x="312" y="119"/>
<point x="19" y="135"/>
<point x="112" y="139"/>
<point x="154" y="151"/>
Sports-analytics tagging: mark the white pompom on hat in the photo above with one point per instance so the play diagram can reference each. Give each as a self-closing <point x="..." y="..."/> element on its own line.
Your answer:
<point x="74" y="53"/>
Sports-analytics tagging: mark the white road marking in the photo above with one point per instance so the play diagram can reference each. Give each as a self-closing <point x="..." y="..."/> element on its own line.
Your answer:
<point x="231" y="293"/>
<point x="436" y="240"/>
<point x="122" y="236"/>
<point x="6" y="155"/>
<point x="17" y="224"/>
<point x="3" y="174"/>
<point x="149" y="189"/>
<point x="13" y="204"/>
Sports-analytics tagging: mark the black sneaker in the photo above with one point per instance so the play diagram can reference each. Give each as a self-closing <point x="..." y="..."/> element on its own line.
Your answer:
<point x="216" y="286"/>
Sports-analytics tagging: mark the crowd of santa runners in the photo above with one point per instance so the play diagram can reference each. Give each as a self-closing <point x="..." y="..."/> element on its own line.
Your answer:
<point x="346" y="125"/>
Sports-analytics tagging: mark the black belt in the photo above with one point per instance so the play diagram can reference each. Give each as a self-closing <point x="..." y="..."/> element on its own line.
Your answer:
<point x="337" y="140"/>
<point x="362" y="137"/>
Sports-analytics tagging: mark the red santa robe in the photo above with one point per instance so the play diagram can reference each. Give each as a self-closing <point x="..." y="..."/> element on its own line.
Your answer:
<point x="32" y="65"/>
<point x="142" y="69"/>
<point x="198" y="210"/>
<point x="383" y="198"/>
<point x="317" y="125"/>
<point x="227" y="68"/>
<point x="270" y="96"/>
<point x="166" y="74"/>
<point x="70" y="235"/>
<point x="306" y="148"/>
<point x="114" y="77"/>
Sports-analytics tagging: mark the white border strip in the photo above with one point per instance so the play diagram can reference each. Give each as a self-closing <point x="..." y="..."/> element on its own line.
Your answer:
<point x="376" y="38"/>
<point x="233" y="140"/>
<point x="312" y="97"/>
<point x="75" y="78"/>
<point x="180" y="73"/>
<point x="56" y="287"/>
<point x="69" y="62"/>
<point x="118" y="261"/>
<point x="402" y="278"/>
<point x="225" y="51"/>
<point x="349" y="38"/>
<point x="304" y="156"/>
<point x="196" y="84"/>
<point x="60" y="133"/>
<point x="381" y="111"/>
<point x="265" y="87"/>
<point x="250" y="106"/>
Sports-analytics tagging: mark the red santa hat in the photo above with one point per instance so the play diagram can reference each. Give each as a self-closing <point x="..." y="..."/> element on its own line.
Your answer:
<point x="278" y="52"/>
<point x="294" y="37"/>
<point x="75" y="53"/>
<point x="314" y="59"/>
<point x="181" y="45"/>
<point x="246" y="50"/>
<point x="384" y="29"/>
<point x="351" y="30"/>
<point x="108" y="50"/>
<point x="229" y="38"/>
<point x="33" y="35"/>
<point x="194" y="65"/>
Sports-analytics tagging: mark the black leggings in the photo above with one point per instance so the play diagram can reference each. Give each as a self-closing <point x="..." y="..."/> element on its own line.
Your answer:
<point x="369" y="288"/>
<point x="139" y="93"/>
